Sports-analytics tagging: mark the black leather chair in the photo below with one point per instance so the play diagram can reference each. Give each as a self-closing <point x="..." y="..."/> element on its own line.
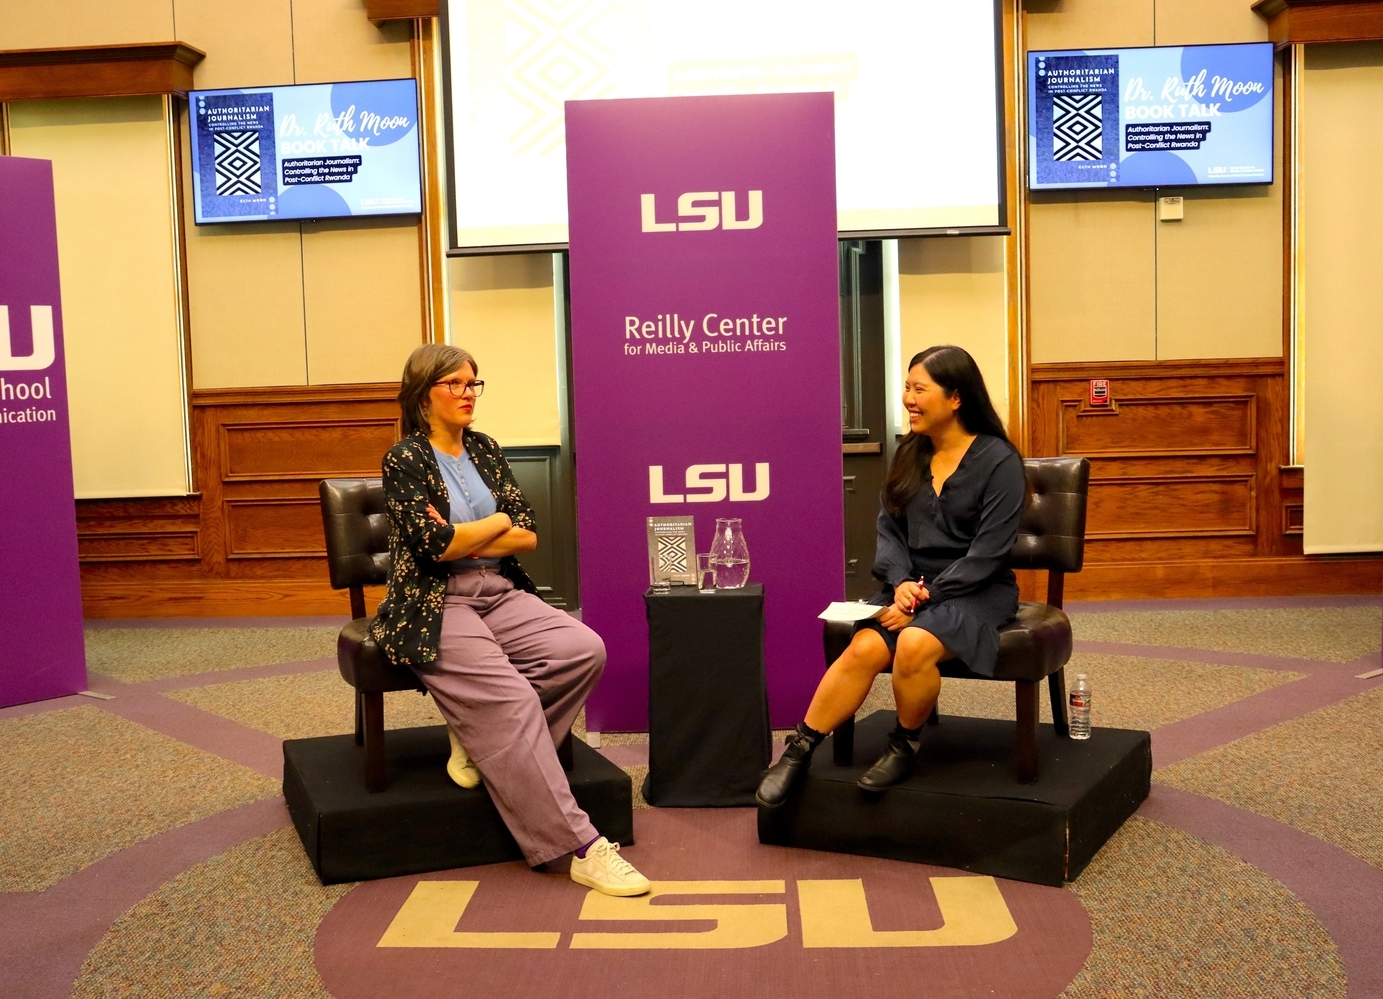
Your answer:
<point x="357" y="533"/>
<point x="1037" y="644"/>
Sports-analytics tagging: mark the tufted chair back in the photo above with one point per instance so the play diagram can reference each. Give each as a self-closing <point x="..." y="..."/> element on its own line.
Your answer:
<point x="357" y="533"/>
<point x="1052" y="533"/>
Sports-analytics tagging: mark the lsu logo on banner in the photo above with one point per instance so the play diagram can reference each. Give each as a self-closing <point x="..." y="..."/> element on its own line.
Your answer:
<point x="711" y="209"/>
<point x="44" y="352"/>
<point x="712" y="479"/>
<point x="834" y="914"/>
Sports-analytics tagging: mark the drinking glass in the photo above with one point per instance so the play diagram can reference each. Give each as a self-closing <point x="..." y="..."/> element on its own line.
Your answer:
<point x="706" y="572"/>
<point x="655" y="584"/>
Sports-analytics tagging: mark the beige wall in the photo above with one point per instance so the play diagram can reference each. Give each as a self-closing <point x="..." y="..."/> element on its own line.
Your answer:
<point x="333" y="302"/>
<point x="951" y="290"/>
<point x="1208" y="286"/>
<point x="337" y="301"/>
<point x="1092" y="276"/>
<point x="340" y="302"/>
<point x="503" y="312"/>
<point x="122" y="327"/>
<point x="69" y="23"/>
<point x="1057" y="24"/>
<point x="1342" y="245"/>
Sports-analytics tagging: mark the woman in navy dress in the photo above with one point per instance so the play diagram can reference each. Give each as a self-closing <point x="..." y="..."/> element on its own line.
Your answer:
<point x="949" y="517"/>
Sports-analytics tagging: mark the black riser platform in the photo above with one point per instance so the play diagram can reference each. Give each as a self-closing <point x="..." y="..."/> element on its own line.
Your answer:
<point x="423" y="822"/>
<point x="964" y="807"/>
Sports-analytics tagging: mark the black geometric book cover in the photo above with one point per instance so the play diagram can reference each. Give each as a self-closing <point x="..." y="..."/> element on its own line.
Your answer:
<point x="235" y="154"/>
<point x="1077" y="119"/>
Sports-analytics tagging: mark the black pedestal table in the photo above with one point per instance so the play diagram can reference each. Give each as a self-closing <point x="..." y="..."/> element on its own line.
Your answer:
<point x="708" y="732"/>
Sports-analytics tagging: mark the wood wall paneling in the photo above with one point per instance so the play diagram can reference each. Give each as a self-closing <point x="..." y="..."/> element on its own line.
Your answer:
<point x="139" y="530"/>
<point x="1188" y="493"/>
<point x="98" y="71"/>
<point x="1170" y="506"/>
<point x="388" y="10"/>
<point x="305" y="450"/>
<point x="252" y="542"/>
<point x="1292" y="21"/>
<point x="274" y="527"/>
<point x="1138" y="427"/>
<point x="1293" y="499"/>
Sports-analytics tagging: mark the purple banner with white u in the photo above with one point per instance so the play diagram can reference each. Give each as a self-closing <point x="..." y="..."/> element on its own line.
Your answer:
<point x="44" y="655"/>
<point x="706" y="363"/>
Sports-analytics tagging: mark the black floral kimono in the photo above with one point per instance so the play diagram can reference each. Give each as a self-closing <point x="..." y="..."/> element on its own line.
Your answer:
<point x="408" y="624"/>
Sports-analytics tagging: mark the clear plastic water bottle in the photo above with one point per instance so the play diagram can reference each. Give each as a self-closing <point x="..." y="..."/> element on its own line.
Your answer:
<point x="1080" y="708"/>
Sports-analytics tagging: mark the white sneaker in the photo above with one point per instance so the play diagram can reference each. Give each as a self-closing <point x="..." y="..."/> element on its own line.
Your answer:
<point x="460" y="768"/>
<point x="606" y="871"/>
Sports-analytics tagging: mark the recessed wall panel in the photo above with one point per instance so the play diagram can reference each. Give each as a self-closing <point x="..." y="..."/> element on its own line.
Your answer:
<point x="502" y="311"/>
<point x="1343" y="247"/>
<point x="117" y="252"/>
<point x="1092" y="276"/>
<point x="953" y="291"/>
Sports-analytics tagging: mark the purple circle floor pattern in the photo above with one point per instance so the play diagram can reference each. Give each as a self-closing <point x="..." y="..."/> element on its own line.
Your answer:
<point x="731" y="918"/>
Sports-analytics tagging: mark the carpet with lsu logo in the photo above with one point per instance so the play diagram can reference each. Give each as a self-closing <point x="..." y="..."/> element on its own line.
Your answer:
<point x="727" y="916"/>
<point x="145" y="850"/>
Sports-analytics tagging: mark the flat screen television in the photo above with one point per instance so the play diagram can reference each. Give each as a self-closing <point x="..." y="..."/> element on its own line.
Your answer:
<point x="1151" y="117"/>
<point x="312" y="151"/>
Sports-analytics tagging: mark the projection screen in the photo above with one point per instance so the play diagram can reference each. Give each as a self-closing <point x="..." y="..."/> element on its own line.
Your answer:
<point x="918" y="88"/>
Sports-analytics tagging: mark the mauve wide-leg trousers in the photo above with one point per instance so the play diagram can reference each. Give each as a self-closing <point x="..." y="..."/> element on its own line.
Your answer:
<point x="510" y="678"/>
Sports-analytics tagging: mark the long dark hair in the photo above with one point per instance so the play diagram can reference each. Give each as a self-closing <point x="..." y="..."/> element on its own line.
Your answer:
<point x="424" y="366"/>
<point x="956" y="372"/>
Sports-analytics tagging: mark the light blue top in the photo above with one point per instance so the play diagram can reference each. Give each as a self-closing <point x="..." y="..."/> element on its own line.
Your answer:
<point x="471" y="498"/>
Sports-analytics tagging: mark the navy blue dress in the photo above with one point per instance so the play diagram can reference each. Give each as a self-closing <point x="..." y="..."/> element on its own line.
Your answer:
<point x="958" y="543"/>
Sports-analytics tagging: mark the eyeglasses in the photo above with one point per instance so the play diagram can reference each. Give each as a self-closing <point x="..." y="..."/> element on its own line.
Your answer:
<point x="458" y="388"/>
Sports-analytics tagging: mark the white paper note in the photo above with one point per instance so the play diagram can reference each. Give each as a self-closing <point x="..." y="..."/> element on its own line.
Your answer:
<point x="848" y="611"/>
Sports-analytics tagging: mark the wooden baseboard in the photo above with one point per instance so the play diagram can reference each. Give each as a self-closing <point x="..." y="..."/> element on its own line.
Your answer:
<point x="218" y="598"/>
<point x="1250" y="577"/>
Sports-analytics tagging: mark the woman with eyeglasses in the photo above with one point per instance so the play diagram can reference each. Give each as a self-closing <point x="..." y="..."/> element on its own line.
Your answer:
<point x="508" y="672"/>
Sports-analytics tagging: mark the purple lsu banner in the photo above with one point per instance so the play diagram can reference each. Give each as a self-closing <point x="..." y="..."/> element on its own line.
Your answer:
<point x="706" y="361"/>
<point x="44" y="654"/>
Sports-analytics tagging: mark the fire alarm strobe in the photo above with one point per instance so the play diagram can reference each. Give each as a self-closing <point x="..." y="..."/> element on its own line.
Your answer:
<point x="1099" y="391"/>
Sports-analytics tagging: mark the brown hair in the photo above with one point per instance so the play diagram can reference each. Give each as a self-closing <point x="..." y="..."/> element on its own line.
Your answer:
<point x="425" y="366"/>
<point x="955" y="371"/>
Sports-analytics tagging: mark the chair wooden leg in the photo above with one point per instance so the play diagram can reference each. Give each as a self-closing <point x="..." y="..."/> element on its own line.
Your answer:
<point x="843" y="743"/>
<point x="1056" y="687"/>
<point x="1025" y="692"/>
<point x="934" y="718"/>
<point x="564" y="754"/>
<point x="359" y="721"/>
<point x="376" y="771"/>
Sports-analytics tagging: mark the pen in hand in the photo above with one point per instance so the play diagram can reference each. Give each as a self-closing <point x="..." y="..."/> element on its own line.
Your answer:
<point x="912" y="607"/>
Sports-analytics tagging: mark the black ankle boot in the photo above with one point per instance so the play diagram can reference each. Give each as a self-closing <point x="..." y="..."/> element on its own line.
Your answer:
<point x="783" y="777"/>
<point x="894" y="767"/>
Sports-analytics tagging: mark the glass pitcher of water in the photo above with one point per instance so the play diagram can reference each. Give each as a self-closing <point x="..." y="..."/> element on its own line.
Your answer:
<point x="730" y="554"/>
